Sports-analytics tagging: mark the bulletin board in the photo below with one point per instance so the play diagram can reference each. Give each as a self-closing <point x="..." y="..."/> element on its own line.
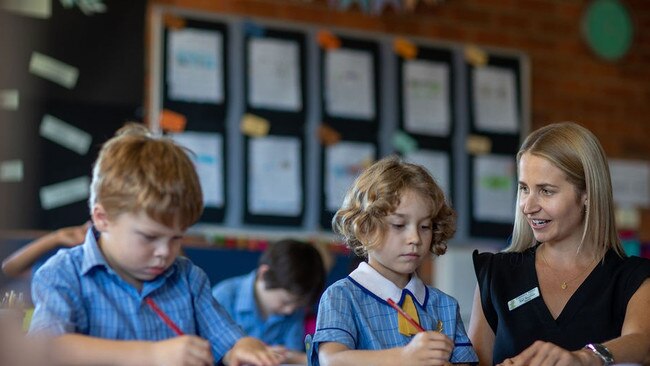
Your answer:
<point x="193" y="70"/>
<point x="274" y="85"/>
<point x="350" y="104"/>
<point x="427" y="111"/>
<point x="76" y="77"/>
<point x="495" y="114"/>
<point x="64" y="191"/>
<point x="378" y="101"/>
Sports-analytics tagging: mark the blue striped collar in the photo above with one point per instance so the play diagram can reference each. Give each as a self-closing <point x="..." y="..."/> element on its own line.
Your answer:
<point x="92" y="254"/>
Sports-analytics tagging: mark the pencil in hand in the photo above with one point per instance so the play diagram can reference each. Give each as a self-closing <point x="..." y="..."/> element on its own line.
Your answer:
<point x="170" y="323"/>
<point x="405" y="315"/>
<point x="410" y="319"/>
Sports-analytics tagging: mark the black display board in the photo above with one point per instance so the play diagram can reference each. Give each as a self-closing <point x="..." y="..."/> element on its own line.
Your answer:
<point x="202" y="116"/>
<point x="504" y="145"/>
<point x="430" y="142"/>
<point x="283" y="122"/>
<point x="107" y="49"/>
<point x="364" y="130"/>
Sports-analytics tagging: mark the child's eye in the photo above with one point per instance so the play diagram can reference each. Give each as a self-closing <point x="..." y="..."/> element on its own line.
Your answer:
<point x="397" y="226"/>
<point x="148" y="237"/>
<point x="426" y="227"/>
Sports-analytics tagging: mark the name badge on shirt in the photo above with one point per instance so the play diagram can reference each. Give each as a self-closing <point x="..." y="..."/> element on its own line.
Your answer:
<point x="523" y="298"/>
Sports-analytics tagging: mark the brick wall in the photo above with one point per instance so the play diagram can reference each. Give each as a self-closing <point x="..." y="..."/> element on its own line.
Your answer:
<point x="568" y="82"/>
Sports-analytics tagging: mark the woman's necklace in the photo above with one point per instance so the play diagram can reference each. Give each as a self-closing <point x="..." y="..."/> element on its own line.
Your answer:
<point x="564" y="284"/>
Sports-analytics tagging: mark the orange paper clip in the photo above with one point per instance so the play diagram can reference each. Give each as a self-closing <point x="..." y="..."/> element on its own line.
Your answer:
<point x="328" y="136"/>
<point x="173" y="21"/>
<point x="405" y="48"/>
<point x="328" y="40"/>
<point x="172" y="121"/>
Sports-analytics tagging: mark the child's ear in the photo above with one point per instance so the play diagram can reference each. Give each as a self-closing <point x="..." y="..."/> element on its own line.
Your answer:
<point x="100" y="217"/>
<point x="261" y="271"/>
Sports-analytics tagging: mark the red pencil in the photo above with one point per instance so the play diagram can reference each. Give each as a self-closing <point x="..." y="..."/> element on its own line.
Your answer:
<point x="164" y="316"/>
<point x="405" y="315"/>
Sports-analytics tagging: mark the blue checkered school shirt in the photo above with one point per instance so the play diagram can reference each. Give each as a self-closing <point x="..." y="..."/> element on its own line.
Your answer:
<point x="356" y="317"/>
<point x="76" y="291"/>
<point x="237" y="296"/>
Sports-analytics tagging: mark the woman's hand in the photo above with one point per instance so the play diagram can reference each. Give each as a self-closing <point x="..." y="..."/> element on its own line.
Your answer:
<point x="548" y="354"/>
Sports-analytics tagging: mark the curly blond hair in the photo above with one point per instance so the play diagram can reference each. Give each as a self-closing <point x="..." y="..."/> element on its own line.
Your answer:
<point x="376" y="194"/>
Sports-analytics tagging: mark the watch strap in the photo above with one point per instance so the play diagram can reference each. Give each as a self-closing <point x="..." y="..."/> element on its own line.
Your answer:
<point x="602" y="352"/>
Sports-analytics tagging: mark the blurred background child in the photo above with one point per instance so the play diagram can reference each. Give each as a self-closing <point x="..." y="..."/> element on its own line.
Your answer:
<point x="33" y="254"/>
<point x="269" y="303"/>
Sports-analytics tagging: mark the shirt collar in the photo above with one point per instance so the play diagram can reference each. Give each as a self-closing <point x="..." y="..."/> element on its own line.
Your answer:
<point x="383" y="288"/>
<point x="246" y="302"/>
<point x="92" y="256"/>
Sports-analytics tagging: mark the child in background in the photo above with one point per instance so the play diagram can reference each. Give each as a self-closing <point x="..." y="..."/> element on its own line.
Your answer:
<point x="26" y="257"/>
<point x="125" y="297"/>
<point x="395" y="215"/>
<point x="269" y="303"/>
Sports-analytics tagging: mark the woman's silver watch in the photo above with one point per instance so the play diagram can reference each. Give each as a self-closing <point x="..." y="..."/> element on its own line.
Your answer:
<point x="602" y="352"/>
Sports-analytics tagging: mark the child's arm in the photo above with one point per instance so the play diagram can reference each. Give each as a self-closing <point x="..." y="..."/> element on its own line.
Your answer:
<point x="251" y="351"/>
<point x="426" y="348"/>
<point x="22" y="259"/>
<point x="76" y="349"/>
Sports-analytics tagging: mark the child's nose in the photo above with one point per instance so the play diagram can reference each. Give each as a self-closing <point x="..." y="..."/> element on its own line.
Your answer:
<point x="162" y="250"/>
<point x="414" y="237"/>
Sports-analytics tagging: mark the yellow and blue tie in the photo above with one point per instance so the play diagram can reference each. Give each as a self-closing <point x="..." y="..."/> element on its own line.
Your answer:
<point x="409" y="307"/>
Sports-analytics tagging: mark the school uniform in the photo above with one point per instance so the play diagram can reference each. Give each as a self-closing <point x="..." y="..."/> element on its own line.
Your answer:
<point x="354" y="312"/>
<point x="237" y="296"/>
<point x="76" y="291"/>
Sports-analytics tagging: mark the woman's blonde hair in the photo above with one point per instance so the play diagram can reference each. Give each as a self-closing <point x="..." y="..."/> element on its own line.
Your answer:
<point x="376" y="194"/>
<point x="137" y="172"/>
<point x="575" y="151"/>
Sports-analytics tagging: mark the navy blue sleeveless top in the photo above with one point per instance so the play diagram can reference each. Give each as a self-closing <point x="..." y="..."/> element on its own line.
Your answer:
<point x="594" y="314"/>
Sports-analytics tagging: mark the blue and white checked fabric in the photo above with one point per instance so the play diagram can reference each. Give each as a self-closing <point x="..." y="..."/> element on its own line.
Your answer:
<point x="76" y="291"/>
<point x="354" y="316"/>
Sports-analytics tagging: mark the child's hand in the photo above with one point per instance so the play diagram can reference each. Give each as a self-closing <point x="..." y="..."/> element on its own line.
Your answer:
<point x="281" y="351"/>
<point x="289" y="356"/>
<point x="428" y="348"/>
<point x="73" y="235"/>
<point x="251" y="351"/>
<point x="183" y="350"/>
